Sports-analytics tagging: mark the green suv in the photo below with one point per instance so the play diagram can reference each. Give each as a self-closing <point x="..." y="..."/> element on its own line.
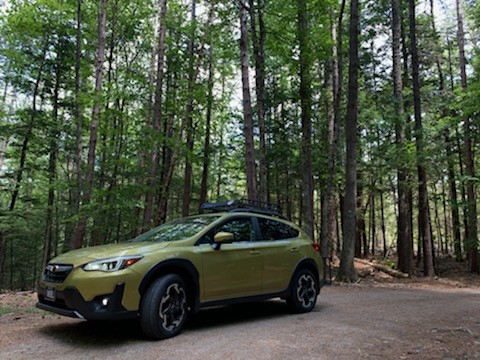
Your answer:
<point x="234" y="253"/>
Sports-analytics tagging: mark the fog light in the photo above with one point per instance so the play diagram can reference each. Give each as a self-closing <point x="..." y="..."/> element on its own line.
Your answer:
<point x="104" y="301"/>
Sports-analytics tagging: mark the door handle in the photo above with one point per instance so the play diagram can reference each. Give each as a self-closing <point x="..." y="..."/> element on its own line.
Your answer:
<point x="295" y="249"/>
<point x="254" y="252"/>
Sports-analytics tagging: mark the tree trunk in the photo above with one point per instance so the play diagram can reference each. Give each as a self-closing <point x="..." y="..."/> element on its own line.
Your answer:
<point x="157" y="115"/>
<point x="326" y="237"/>
<point x="258" y="40"/>
<point x="77" y="164"/>
<point x="438" y="228"/>
<point x="471" y="235"/>
<point x="247" y="106"/>
<point x="373" y="222"/>
<point x="101" y="226"/>
<point x="89" y="175"/>
<point x="151" y="76"/>
<point x="404" y="248"/>
<point x="329" y="235"/>
<point x="408" y="135"/>
<point x="360" y="221"/>
<point x="423" y="208"/>
<point x="187" y="188"/>
<point x="457" y="240"/>
<point x="382" y="216"/>
<point x="206" y="145"/>
<point x="306" y="106"/>
<point x="5" y="139"/>
<point x="52" y="170"/>
<point x="3" y="148"/>
<point x="450" y="65"/>
<point x="438" y="50"/>
<point x="446" y="223"/>
<point x="347" y="270"/>
<point x="221" y="155"/>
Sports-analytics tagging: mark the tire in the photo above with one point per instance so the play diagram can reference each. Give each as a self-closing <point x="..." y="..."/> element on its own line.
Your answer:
<point x="164" y="307"/>
<point x="303" y="292"/>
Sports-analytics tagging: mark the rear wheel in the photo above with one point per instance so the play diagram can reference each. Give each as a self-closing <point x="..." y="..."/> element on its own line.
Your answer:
<point x="164" y="307"/>
<point x="304" y="292"/>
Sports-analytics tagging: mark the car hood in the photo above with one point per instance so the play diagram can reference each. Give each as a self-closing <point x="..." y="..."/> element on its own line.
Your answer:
<point x="82" y="256"/>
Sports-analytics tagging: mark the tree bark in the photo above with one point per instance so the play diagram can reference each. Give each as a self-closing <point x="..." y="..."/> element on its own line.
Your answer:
<point x="101" y="228"/>
<point x="471" y="231"/>
<point x="151" y="76"/>
<point x="3" y="148"/>
<point x="329" y="236"/>
<point x="52" y="170"/>
<point x="404" y="248"/>
<point x="407" y="131"/>
<point x="347" y="270"/>
<point x="457" y="240"/>
<point x="360" y="236"/>
<point x="247" y="106"/>
<point x="258" y="40"/>
<point x="306" y="107"/>
<point x="382" y="217"/>
<point x="423" y="208"/>
<point x="206" y="145"/>
<point x="373" y="223"/>
<point x="157" y="115"/>
<point x="89" y="174"/>
<point x="438" y="50"/>
<point x="187" y="188"/>
<point x="446" y="222"/>
<point x="6" y="136"/>
<point x="385" y="269"/>
<point x="77" y="163"/>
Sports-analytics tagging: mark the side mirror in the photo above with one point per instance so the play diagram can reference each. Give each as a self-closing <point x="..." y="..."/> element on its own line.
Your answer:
<point x="222" y="237"/>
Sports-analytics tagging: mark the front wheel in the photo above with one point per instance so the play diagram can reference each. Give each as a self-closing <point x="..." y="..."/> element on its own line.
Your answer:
<point x="164" y="307"/>
<point x="303" y="292"/>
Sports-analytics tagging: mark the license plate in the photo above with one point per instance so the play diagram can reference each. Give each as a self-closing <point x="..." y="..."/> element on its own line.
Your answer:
<point x="50" y="293"/>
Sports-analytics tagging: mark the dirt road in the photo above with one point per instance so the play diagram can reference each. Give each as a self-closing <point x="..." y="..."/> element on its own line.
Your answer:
<point x="349" y="322"/>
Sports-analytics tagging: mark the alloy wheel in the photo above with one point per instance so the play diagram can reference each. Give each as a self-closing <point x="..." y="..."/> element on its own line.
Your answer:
<point x="306" y="291"/>
<point x="173" y="307"/>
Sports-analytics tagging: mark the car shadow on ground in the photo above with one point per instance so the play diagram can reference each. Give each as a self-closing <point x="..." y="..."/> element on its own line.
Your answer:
<point x="235" y="314"/>
<point x="94" y="333"/>
<point x="112" y="333"/>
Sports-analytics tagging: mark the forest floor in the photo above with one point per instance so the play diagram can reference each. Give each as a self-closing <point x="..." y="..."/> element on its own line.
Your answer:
<point x="380" y="317"/>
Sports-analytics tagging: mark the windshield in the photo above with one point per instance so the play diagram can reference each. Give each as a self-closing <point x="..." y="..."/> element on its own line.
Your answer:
<point x="177" y="230"/>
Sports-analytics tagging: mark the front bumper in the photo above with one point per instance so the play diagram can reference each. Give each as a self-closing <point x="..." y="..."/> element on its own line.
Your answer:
<point x="69" y="302"/>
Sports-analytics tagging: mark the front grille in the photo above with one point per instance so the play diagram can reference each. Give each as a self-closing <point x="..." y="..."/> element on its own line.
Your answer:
<point x="56" y="273"/>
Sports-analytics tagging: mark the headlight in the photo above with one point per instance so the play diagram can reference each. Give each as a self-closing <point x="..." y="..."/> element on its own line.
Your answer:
<point x="112" y="264"/>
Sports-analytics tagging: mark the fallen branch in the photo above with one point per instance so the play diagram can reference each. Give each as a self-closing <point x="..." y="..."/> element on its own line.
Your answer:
<point x="384" y="268"/>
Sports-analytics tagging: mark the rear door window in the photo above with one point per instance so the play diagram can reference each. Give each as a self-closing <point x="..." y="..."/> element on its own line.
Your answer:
<point x="276" y="230"/>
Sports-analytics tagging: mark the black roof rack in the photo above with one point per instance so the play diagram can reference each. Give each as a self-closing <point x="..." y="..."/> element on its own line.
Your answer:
<point x="243" y="205"/>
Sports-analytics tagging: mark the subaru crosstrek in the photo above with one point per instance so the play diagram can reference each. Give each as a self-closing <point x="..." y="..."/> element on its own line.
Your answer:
<point x="236" y="255"/>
